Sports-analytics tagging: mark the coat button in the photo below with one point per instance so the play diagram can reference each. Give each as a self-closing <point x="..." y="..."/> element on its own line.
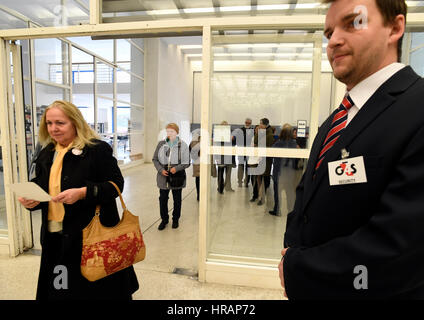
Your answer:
<point x="305" y="219"/>
<point x="65" y="178"/>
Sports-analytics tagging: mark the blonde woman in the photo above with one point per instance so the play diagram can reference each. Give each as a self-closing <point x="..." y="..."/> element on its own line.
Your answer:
<point x="74" y="167"/>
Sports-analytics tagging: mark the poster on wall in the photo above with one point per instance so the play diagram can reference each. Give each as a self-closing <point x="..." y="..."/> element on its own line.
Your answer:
<point x="301" y="128"/>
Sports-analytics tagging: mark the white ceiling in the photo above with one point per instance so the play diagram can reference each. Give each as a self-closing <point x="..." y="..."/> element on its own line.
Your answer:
<point x="183" y="40"/>
<point x="46" y="12"/>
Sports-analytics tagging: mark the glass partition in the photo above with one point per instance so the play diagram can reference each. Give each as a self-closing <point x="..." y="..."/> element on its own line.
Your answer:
<point x="45" y="95"/>
<point x="281" y="97"/>
<point x="116" y="103"/>
<point x="122" y="132"/>
<point x="417" y="52"/>
<point x="261" y="101"/>
<point x="137" y="57"/>
<point x="102" y="47"/>
<point x="51" y="60"/>
<point x="123" y="86"/>
<point x="136" y="136"/>
<point x="137" y="91"/>
<point x="123" y="54"/>
<point x="105" y="116"/>
<point x="52" y="13"/>
<point x="7" y="21"/>
<point x="3" y="216"/>
<point x="83" y="84"/>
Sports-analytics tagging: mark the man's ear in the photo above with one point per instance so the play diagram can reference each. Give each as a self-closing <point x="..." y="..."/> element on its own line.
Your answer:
<point x="398" y="28"/>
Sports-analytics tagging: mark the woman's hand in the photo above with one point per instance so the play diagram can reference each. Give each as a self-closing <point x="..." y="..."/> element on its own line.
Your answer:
<point x="70" y="196"/>
<point x="164" y="173"/>
<point x="173" y="170"/>
<point x="28" y="203"/>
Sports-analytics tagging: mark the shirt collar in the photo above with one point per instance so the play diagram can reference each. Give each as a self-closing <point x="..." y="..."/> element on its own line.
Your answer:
<point x="367" y="87"/>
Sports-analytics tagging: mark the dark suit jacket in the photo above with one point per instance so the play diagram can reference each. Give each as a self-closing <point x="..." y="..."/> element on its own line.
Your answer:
<point x="378" y="224"/>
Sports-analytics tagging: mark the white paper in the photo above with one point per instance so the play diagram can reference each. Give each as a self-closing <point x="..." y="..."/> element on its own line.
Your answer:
<point x="301" y="124"/>
<point x="30" y="190"/>
<point x="222" y="133"/>
<point x="301" y="133"/>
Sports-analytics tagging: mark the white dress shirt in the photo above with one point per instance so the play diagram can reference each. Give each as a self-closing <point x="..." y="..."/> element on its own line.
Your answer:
<point x="361" y="93"/>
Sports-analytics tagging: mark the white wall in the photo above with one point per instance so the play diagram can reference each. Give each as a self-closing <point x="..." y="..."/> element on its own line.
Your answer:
<point x="279" y="91"/>
<point x="151" y="98"/>
<point x="169" y="88"/>
<point x="175" y="87"/>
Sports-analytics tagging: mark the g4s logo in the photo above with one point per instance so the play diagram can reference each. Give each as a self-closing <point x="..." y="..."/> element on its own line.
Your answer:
<point x="343" y="168"/>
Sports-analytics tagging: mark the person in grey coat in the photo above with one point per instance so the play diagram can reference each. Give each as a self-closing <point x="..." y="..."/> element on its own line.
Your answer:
<point x="171" y="158"/>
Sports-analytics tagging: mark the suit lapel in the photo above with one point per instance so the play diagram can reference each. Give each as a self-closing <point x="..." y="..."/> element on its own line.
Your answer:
<point x="382" y="99"/>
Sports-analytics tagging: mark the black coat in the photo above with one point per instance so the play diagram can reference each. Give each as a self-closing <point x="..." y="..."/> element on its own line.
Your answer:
<point x="92" y="169"/>
<point x="378" y="224"/>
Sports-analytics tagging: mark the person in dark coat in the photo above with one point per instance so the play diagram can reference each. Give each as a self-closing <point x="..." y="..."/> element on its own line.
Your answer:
<point x="244" y="136"/>
<point x="284" y="171"/>
<point x="74" y="167"/>
<point x="264" y="179"/>
<point x="194" y="149"/>
<point x="225" y="164"/>
<point x="358" y="234"/>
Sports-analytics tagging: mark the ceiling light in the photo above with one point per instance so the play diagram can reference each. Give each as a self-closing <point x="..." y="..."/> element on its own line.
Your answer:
<point x="414" y="3"/>
<point x="190" y="46"/>
<point x="273" y="7"/>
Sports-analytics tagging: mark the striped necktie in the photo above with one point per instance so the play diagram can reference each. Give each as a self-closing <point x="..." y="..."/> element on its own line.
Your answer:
<point x="337" y="127"/>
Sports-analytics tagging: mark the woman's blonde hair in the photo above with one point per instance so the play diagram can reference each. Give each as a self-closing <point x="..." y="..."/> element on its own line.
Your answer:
<point x="84" y="134"/>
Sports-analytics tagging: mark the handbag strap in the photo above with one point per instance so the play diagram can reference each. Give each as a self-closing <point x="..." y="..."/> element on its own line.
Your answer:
<point x="120" y="195"/>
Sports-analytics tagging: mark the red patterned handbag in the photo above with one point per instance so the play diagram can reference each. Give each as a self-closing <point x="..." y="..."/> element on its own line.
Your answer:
<point x="106" y="250"/>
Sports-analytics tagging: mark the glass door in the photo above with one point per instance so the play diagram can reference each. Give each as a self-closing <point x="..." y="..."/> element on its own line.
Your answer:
<point x="263" y="109"/>
<point x="14" y="139"/>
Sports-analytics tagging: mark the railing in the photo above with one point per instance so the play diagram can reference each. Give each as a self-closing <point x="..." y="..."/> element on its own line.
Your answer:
<point x="84" y="73"/>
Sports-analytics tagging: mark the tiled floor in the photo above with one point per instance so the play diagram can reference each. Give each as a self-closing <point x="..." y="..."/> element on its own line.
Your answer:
<point x="243" y="228"/>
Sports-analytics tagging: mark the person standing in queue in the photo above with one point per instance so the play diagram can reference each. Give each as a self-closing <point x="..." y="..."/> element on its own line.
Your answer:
<point x="171" y="158"/>
<point x="266" y="140"/>
<point x="195" y="156"/>
<point x="284" y="171"/>
<point x="244" y="136"/>
<point x="225" y="164"/>
<point x="356" y="228"/>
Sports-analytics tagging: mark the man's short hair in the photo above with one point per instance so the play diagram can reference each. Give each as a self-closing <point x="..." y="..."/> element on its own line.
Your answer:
<point x="265" y="121"/>
<point x="389" y="9"/>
